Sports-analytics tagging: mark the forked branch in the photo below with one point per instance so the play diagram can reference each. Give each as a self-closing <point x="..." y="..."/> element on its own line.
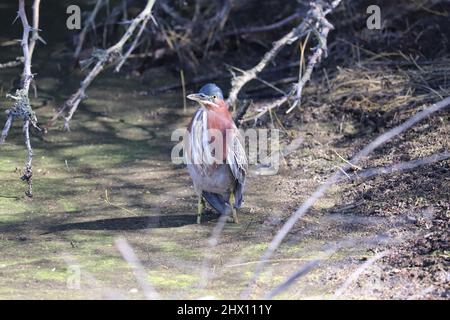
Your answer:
<point x="314" y="22"/>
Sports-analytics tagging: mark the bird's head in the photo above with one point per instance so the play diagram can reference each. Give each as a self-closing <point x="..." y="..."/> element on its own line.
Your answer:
<point x="209" y="97"/>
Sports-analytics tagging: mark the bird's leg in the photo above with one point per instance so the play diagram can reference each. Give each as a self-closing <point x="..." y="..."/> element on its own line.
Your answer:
<point x="233" y="209"/>
<point x="200" y="208"/>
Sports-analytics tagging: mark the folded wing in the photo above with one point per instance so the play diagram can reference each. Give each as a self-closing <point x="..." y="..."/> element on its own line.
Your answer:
<point x="237" y="161"/>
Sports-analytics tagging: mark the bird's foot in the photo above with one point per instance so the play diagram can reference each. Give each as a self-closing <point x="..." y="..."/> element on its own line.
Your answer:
<point x="233" y="218"/>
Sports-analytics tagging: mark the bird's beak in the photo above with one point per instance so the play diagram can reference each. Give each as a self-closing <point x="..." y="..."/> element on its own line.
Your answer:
<point x="203" y="99"/>
<point x="199" y="97"/>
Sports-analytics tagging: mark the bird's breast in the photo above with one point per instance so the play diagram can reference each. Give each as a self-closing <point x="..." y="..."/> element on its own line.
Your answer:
<point x="208" y="135"/>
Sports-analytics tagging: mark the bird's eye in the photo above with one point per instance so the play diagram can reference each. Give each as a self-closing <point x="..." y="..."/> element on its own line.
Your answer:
<point x="214" y="97"/>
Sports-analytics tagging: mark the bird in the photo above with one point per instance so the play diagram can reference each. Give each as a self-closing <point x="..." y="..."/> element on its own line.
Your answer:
<point x="214" y="154"/>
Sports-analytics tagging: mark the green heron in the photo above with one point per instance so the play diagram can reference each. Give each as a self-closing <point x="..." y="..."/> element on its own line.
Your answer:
<point x="215" y="158"/>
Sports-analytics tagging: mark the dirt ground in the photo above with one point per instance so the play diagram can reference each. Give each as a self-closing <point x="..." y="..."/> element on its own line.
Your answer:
<point x="111" y="177"/>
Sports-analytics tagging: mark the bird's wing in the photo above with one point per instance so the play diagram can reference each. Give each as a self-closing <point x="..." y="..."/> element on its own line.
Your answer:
<point x="236" y="158"/>
<point x="237" y="161"/>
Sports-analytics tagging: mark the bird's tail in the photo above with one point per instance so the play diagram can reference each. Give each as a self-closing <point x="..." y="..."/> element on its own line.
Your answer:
<point x="217" y="202"/>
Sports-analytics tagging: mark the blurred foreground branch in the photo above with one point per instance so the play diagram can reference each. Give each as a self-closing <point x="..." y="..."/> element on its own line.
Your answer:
<point x="399" y="167"/>
<point x="320" y="191"/>
<point x="357" y="273"/>
<point x="138" y="270"/>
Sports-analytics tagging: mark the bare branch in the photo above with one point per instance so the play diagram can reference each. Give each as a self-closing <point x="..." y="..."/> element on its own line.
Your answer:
<point x="315" y="18"/>
<point x="134" y="44"/>
<point x="172" y="12"/>
<point x="35" y="34"/>
<point x="74" y="100"/>
<point x="319" y="52"/>
<point x="6" y="128"/>
<point x="269" y="27"/>
<point x="26" y="75"/>
<point x="21" y="107"/>
<point x="239" y="82"/>
<point x="28" y="171"/>
<point x="103" y="57"/>
<point x="90" y="21"/>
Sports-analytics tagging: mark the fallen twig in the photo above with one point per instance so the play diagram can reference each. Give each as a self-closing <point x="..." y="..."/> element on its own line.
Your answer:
<point x="346" y="161"/>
